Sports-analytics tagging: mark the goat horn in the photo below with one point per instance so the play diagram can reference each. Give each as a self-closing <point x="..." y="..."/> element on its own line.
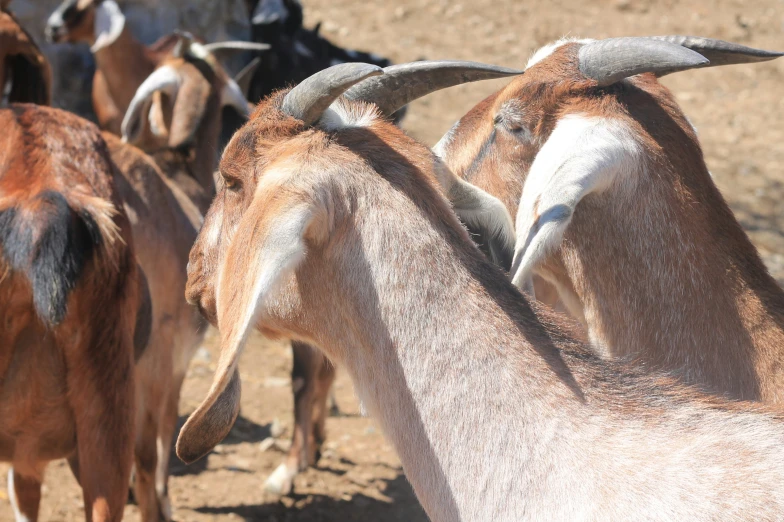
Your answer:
<point x="308" y="100"/>
<point x="720" y="52"/>
<point x="232" y="96"/>
<point x="401" y="84"/>
<point x="245" y="76"/>
<point x="236" y="46"/>
<point x="611" y="60"/>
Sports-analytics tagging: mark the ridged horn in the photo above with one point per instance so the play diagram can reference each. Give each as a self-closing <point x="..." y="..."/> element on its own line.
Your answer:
<point x="308" y="100"/>
<point x="720" y="52"/>
<point x="611" y="60"/>
<point x="401" y="84"/>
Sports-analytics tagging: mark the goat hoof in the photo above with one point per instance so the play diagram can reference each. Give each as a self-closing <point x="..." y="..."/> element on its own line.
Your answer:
<point x="166" y="510"/>
<point x="280" y="482"/>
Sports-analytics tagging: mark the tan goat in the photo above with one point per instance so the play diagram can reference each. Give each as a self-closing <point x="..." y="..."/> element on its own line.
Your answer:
<point x="332" y="231"/>
<point x="22" y="64"/>
<point x="122" y="62"/>
<point x="70" y="294"/>
<point x="312" y="374"/>
<point x="615" y="207"/>
<point x="164" y="195"/>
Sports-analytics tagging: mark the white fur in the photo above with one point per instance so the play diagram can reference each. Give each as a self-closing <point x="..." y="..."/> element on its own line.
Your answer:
<point x="341" y="116"/>
<point x="549" y="49"/>
<point x="581" y="156"/>
<point x="109" y="23"/>
<point x="281" y="480"/>
<point x="18" y="515"/>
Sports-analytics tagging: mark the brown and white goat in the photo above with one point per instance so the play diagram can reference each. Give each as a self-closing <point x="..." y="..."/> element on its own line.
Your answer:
<point x="337" y="235"/>
<point x="70" y="294"/>
<point x="615" y="206"/>
<point x="176" y="116"/>
<point x="312" y="373"/>
<point x="22" y="64"/>
<point x="122" y="62"/>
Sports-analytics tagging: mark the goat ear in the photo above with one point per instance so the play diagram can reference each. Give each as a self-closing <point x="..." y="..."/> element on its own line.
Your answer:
<point x="268" y="245"/>
<point x="481" y="212"/>
<point x="583" y="155"/>
<point x="187" y="113"/>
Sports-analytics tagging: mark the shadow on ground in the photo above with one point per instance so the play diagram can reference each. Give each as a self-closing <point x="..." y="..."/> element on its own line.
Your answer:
<point x="403" y="506"/>
<point x="244" y="430"/>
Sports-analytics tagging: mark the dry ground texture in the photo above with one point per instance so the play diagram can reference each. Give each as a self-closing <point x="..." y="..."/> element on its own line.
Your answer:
<point x="738" y="111"/>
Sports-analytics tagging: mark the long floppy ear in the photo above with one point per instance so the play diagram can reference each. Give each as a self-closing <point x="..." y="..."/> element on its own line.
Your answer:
<point x="582" y="155"/>
<point x="268" y="245"/>
<point x="190" y="105"/>
<point x="165" y="79"/>
<point x="481" y="212"/>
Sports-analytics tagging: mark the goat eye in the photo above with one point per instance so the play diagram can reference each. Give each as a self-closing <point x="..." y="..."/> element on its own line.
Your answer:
<point x="231" y="183"/>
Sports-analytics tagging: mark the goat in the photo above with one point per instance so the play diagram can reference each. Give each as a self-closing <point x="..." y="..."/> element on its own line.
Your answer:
<point x="312" y="373"/>
<point x="22" y="64"/>
<point x="122" y="62"/>
<point x="73" y="311"/>
<point x="615" y="206"/>
<point x="329" y="228"/>
<point x="175" y="116"/>
<point x="296" y="52"/>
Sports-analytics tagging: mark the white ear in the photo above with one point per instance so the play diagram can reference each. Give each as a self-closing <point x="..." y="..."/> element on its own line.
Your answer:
<point x="109" y="23"/>
<point x="582" y="155"/>
<point x="264" y="251"/>
<point x="481" y="211"/>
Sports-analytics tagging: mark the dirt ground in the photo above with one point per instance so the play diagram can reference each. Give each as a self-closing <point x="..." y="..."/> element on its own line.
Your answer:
<point x="738" y="111"/>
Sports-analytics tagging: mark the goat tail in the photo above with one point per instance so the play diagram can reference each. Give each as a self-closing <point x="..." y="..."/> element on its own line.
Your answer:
<point x="51" y="242"/>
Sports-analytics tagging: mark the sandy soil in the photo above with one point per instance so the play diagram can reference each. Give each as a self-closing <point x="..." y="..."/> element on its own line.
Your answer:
<point x="737" y="110"/>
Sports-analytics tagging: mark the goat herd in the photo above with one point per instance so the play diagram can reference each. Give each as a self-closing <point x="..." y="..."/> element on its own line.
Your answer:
<point x="328" y="225"/>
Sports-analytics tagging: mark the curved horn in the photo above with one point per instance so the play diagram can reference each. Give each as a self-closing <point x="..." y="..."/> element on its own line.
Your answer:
<point x="232" y="96"/>
<point x="245" y="76"/>
<point x="720" y="52"/>
<point x="167" y="80"/>
<point x="608" y="61"/>
<point x="404" y="83"/>
<point x="308" y="100"/>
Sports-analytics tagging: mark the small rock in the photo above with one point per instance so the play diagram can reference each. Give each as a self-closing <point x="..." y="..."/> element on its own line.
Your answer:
<point x="276" y="428"/>
<point x="202" y="356"/>
<point x="266" y="444"/>
<point x="277" y="382"/>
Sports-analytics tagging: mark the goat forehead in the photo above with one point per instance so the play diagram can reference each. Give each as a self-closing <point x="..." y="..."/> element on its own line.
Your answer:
<point x="549" y="49"/>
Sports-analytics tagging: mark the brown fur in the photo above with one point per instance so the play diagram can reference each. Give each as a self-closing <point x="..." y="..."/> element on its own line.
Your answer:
<point x="66" y="389"/>
<point x="120" y="67"/>
<point x="164" y="193"/>
<point x="687" y="291"/>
